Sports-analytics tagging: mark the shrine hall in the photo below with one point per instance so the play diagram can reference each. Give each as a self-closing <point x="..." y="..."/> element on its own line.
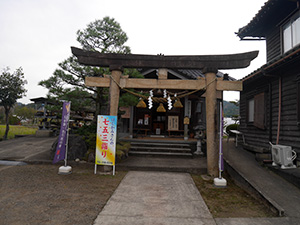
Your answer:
<point x="168" y="119"/>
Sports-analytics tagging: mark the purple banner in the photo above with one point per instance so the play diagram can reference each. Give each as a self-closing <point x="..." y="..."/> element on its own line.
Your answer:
<point x="61" y="145"/>
<point x="221" y="162"/>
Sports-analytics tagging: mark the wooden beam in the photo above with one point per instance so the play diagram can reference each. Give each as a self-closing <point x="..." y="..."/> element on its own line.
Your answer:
<point x="97" y="81"/>
<point x="147" y="83"/>
<point x="225" y="85"/>
<point x="164" y="84"/>
<point x="230" y="61"/>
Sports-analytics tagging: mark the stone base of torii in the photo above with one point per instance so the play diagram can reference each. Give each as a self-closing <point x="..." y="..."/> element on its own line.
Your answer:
<point x="209" y="64"/>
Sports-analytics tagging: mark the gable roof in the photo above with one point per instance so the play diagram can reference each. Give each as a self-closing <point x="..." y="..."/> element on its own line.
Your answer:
<point x="270" y="14"/>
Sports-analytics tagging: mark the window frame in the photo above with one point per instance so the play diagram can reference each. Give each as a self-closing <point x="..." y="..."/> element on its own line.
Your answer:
<point x="250" y="114"/>
<point x="256" y="112"/>
<point x="289" y="24"/>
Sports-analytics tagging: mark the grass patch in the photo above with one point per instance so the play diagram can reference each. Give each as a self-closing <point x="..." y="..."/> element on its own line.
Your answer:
<point x="16" y="130"/>
<point x="230" y="202"/>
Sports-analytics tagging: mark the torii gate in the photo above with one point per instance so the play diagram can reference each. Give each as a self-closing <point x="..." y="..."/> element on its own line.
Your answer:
<point x="209" y="64"/>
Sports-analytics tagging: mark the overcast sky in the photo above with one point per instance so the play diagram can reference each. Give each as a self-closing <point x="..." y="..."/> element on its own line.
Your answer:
<point x="38" y="34"/>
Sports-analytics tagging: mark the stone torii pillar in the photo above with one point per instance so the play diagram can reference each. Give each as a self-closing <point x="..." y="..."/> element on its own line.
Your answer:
<point x="114" y="90"/>
<point x="211" y="127"/>
<point x="209" y="64"/>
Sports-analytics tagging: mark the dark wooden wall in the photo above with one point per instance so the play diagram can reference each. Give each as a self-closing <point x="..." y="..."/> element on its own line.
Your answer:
<point x="289" y="131"/>
<point x="254" y="136"/>
<point x="273" y="44"/>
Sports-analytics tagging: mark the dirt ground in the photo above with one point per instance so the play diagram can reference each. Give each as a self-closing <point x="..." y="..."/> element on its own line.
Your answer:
<point x="36" y="194"/>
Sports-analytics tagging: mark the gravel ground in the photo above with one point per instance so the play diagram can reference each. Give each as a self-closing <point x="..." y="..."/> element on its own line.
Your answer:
<point x="36" y="194"/>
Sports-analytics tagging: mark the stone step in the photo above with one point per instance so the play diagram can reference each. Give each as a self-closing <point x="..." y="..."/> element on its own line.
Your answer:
<point x="159" y="144"/>
<point x="143" y="153"/>
<point x="161" y="149"/>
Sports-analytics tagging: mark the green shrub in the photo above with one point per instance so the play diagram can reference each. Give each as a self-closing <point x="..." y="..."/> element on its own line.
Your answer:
<point x="85" y="130"/>
<point x="120" y="155"/>
<point x="124" y="147"/>
<point x="89" y="134"/>
<point x="125" y="144"/>
<point x="13" y="120"/>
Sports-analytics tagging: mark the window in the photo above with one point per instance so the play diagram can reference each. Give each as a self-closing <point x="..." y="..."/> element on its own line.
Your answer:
<point x="256" y="110"/>
<point x="291" y="33"/>
<point x="251" y="110"/>
<point x="259" y="110"/>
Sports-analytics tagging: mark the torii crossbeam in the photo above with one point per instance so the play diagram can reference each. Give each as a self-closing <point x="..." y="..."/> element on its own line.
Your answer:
<point x="209" y="64"/>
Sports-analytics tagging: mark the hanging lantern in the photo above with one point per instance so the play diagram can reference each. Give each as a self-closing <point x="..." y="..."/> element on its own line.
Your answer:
<point x="178" y="103"/>
<point x="141" y="104"/>
<point x="161" y="108"/>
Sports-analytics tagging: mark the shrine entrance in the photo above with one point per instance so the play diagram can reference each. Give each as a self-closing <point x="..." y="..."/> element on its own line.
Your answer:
<point x="208" y="64"/>
<point x="151" y="122"/>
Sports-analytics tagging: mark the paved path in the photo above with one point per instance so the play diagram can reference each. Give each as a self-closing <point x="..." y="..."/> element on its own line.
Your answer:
<point x="274" y="188"/>
<point x="31" y="148"/>
<point x="150" y="198"/>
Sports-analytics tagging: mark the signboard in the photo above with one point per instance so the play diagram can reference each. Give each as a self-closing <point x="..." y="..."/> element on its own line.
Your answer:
<point x="173" y="123"/>
<point x="60" y="153"/>
<point x="186" y="120"/>
<point x="106" y="140"/>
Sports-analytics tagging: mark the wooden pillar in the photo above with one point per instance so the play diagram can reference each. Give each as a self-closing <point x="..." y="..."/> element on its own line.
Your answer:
<point x="186" y="114"/>
<point x="162" y="74"/>
<point x="131" y="122"/>
<point x="114" y="92"/>
<point x="211" y="129"/>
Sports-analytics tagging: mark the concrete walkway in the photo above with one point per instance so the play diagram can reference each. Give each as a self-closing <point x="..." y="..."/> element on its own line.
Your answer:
<point x="149" y="198"/>
<point x="27" y="149"/>
<point x="166" y="164"/>
<point x="284" y="196"/>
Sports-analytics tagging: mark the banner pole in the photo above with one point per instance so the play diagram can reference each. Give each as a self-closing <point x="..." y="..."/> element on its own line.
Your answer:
<point x="219" y="181"/>
<point x="67" y="143"/>
<point x="95" y="170"/>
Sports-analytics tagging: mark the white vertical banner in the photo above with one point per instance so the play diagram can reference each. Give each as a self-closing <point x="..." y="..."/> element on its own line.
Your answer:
<point x="106" y="141"/>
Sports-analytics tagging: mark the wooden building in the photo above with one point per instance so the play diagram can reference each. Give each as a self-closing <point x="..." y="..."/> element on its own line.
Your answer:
<point x="270" y="100"/>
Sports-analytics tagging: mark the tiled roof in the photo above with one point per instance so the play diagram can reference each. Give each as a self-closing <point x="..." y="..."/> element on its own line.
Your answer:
<point x="288" y="57"/>
<point x="270" y="14"/>
<point x="194" y="74"/>
<point x="189" y="74"/>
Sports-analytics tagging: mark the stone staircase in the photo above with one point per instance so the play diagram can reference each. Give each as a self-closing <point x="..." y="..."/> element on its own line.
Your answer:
<point x="162" y="148"/>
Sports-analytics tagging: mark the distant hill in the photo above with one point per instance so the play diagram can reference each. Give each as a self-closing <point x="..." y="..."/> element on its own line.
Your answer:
<point x="230" y="109"/>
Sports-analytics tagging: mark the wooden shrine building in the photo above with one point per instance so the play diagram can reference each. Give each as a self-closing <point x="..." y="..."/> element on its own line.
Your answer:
<point x="187" y="111"/>
<point x="208" y="64"/>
